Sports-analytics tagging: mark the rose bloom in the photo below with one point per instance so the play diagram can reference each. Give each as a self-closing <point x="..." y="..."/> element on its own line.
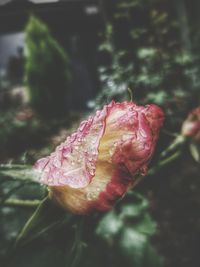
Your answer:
<point x="191" y="126"/>
<point x="104" y="158"/>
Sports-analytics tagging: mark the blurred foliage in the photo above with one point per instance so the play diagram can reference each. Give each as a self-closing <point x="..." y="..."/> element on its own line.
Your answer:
<point x="144" y="50"/>
<point x="122" y="236"/>
<point x="128" y="231"/>
<point x="24" y="136"/>
<point x="47" y="74"/>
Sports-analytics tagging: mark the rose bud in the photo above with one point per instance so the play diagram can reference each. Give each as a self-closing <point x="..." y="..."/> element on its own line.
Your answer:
<point x="104" y="158"/>
<point x="191" y="126"/>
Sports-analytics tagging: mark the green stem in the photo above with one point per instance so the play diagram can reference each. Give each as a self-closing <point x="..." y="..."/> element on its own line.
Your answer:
<point x="78" y="246"/>
<point x="14" y="166"/>
<point x="12" y="202"/>
<point x="178" y="141"/>
<point x="164" y="162"/>
<point x="13" y="190"/>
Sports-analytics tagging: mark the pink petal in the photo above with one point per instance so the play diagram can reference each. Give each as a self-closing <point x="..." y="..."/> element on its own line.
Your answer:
<point x="74" y="161"/>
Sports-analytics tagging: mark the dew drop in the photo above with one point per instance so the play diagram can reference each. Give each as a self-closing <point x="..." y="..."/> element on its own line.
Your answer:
<point x="92" y="172"/>
<point x="98" y="113"/>
<point x="57" y="162"/>
<point x="111" y="151"/>
<point x="90" y="196"/>
<point x="50" y="179"/>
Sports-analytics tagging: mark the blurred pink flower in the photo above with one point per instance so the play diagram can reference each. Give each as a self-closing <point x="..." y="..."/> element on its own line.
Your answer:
<point x="107" y="155"/>
<point x="191" y="126"/>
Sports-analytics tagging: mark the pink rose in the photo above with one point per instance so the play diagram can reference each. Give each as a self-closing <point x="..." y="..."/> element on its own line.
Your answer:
<point x="105" y="157"/>
<point x="191" y="126"/>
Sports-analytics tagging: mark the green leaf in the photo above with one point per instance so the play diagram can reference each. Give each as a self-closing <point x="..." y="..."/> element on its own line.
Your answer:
<point x="146" y="226"/>
<point x="132" y="245"/>
<point x="195" y="151"/>
<point x="46" y="216"/>
<point x="152" y="259"/>
<point x="109" y="225"/>
<point x="129" y="228"/>
<point x="135" y="209"/>
<point x="137" y="249"/>
<point x="19" y="172"/>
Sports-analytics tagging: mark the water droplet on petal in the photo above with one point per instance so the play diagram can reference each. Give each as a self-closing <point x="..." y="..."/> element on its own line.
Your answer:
<point x="111" y="151"/>
<point x="90" y="196"/>
<point x="98" y="189"/>
<point x="82" y="126"/>
<point x="50" y="180"/>
<point x="57" y="163"/>
<point x="92" y="172"/>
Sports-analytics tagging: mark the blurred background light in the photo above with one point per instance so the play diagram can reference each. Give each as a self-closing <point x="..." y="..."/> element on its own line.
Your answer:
<point x="3" y="2"/>
<point x="91" y="10"/>
<point x="43" y="1"/>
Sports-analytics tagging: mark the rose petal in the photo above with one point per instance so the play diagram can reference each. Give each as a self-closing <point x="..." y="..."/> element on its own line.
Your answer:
<point x="74" y="161"/>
